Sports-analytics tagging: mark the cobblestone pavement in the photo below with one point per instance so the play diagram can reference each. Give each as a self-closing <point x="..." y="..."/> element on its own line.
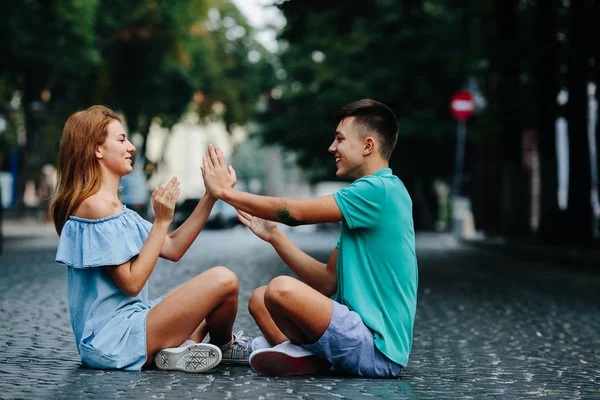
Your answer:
<point x="490" y="325"/>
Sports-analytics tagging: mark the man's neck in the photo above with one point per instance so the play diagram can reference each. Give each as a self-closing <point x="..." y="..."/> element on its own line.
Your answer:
<point x="372" y="167"/>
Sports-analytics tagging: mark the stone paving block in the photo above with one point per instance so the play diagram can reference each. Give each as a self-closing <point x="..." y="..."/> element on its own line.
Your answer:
<point x="489" y="326"/>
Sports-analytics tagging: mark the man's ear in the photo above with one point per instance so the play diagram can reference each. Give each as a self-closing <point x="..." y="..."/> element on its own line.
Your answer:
<point x="368" y="145"/>
<point x="99" y="153"/>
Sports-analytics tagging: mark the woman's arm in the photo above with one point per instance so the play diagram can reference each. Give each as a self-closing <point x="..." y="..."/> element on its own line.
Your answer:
<point x="133" y="275"/>
<point x="180" y="240"/>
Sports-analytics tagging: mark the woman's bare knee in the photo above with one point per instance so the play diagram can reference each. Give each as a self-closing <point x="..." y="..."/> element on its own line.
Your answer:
<point x="256" y="304"/>
<point x="223" y="279"/>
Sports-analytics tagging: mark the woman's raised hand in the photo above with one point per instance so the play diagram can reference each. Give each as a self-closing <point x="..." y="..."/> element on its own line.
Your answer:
<point x="164" y="199"/>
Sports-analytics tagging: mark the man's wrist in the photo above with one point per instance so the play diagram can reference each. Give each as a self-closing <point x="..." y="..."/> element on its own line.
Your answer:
<point x="225" y="194"/>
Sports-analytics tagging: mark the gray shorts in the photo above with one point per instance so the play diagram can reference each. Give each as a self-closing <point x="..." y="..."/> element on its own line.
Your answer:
<point x="349" y="345"/>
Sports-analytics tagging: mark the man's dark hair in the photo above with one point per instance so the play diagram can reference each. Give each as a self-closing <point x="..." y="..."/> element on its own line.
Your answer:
<point x="371" y="115"/>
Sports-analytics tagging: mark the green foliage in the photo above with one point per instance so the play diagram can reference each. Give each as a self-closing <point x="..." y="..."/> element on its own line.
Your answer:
<point x="410" y="55"/>
<point x="145" y="58"/>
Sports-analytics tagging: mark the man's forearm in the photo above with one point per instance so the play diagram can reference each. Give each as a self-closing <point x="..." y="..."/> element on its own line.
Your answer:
<point x="265" y="207"/>
<point x="313" y="272"/>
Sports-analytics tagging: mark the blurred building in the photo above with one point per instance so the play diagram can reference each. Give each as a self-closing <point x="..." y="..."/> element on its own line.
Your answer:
<point x="179" y="151"/>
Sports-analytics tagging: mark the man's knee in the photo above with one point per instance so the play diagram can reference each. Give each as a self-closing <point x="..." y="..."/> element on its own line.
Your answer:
<point x="257" y="301"/>
<point x="279" y="290"/>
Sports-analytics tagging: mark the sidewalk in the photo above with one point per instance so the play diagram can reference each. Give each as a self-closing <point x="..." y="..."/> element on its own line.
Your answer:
<point x="28" y="232"/>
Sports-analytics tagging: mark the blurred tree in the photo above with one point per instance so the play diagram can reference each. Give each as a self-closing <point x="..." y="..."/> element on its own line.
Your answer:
<point x="161" y="56"/>
<point x="241" y="70"/>
<point x="581" y="44"/>
<point x="46" y="44"/>
<point x="545" y="48"/>
<point x="410" y="55"/>
<point x="145" y="58"/>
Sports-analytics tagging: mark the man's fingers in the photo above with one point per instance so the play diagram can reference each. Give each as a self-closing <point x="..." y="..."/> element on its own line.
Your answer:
<point x="232" y="173"/>
<point x="243" y="220"/>
<point x="243" y="217"/>
<point x="244" y="214"/>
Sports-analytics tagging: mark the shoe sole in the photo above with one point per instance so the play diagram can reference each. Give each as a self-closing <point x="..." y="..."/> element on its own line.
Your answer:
<point x="274" y="363"/>
<point x="198" y="357"/>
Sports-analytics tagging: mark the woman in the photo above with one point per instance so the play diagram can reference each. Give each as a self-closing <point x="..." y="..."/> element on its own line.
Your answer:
<point x="111" y="251"/>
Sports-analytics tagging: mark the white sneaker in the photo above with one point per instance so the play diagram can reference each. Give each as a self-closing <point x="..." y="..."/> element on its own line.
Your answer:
<point x="260" y="342"/>
<point x="287" y="359"/>
<point x="188" y="357"/>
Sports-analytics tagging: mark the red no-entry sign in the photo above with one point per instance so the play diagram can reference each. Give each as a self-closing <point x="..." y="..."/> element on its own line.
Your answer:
<point x="462" y="105"/>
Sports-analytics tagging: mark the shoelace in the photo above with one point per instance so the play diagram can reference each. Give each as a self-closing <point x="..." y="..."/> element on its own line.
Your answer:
<point x="241" y="342"/>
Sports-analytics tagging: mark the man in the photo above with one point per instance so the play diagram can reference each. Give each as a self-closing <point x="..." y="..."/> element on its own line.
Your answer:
<point x="366" y="330"/>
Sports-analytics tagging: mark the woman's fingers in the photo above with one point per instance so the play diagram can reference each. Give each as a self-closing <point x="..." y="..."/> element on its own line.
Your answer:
<point x="212" y="156"/>
<point x="220" y="157"/>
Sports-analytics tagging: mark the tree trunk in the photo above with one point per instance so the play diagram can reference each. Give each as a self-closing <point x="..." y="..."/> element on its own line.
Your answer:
<point x="513" y="213"/>
<point x="28" y="159"/>
<point x="579" y="206"/>
<point x="551" y="223"/>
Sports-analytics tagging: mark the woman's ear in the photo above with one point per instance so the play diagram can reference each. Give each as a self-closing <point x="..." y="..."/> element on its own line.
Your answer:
<point x="99" y="153"/>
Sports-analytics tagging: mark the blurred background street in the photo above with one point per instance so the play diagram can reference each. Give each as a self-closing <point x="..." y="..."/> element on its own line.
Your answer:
<point x="498" y="147"/>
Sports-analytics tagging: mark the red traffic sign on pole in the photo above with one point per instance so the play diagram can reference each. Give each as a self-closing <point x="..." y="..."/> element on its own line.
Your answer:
<point x="462" y="105"/>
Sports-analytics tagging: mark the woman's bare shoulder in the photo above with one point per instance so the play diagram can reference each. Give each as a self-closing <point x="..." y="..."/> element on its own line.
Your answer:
<point x="96" y="207"/>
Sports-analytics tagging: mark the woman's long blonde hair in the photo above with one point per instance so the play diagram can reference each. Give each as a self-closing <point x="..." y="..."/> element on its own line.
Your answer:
<point x="79" y="174"/>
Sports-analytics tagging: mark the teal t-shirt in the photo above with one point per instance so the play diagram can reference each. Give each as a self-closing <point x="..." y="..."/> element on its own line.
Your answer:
<point x="377" y="272"/>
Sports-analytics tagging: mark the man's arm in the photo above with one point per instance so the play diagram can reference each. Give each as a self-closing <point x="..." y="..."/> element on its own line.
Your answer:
<point x="321" y="277"/>
<point x="290" y="212"/>
<point x="287" y="211"/>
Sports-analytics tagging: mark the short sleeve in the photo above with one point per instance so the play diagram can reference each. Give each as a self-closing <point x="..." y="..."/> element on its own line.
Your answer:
<point x="361" y="202"/>
<point x="86" y="243"/>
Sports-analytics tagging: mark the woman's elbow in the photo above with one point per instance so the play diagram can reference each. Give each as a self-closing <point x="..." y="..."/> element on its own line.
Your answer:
<point x="132" y="287"/>
<point x="168" y="252"/>
<point x="132" y="290"/>
<point x="171" y="257"/>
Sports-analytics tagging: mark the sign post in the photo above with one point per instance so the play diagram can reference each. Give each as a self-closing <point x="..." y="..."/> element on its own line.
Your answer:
<point x="462" y="107"/>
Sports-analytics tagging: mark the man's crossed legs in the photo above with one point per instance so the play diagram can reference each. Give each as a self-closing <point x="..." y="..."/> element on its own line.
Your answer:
<point x="311" y="332"/>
